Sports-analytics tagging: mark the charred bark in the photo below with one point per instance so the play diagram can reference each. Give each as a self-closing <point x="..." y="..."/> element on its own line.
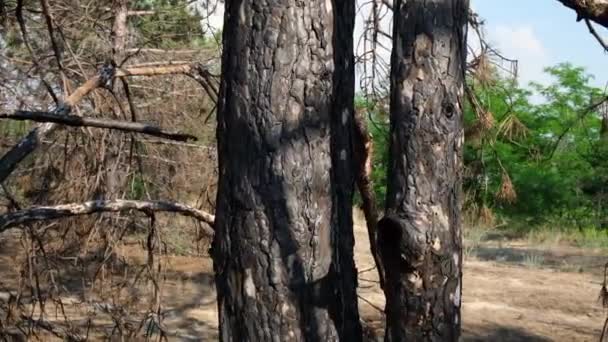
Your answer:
<point x="420" y="236"/>
<point x="283" y="249"/>
<point x="596" y="10"/>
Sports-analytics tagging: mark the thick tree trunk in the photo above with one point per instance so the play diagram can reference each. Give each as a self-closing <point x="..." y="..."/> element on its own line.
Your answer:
<point x="283" y="249"/>
<point x="420" y="237"/>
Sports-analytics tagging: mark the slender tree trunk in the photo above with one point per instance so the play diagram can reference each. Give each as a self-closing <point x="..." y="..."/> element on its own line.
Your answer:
<point x="116" y="175"/>
<point x="119" y="29"/>
<point x="604" y="125"/>
<point x="420" y="238"/>
<point x="363" y="146"/>
<point x="283" y="249"/>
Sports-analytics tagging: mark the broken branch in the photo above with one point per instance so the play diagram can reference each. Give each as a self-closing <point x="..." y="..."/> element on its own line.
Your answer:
<point x="29" y="143"/>
<point x="78" y="121"/>
<point x="44" y="213"/>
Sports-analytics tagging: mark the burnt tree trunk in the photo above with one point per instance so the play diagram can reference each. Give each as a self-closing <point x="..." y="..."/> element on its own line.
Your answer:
<point x="283" y="249"/>
<point x="420" y="238"/>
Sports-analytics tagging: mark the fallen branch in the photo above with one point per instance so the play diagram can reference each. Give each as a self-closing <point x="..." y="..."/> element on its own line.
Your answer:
<point x="44" y="213"/>
<point x="78" y="121"/>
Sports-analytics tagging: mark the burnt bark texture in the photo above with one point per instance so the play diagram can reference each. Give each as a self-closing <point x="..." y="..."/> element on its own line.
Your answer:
<point x="596" y="10"/>
<point x="420" y="236"/>
<point x="283" y="249"/>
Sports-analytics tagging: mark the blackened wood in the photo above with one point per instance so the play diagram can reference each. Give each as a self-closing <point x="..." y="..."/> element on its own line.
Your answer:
<point x="420" y="236"/>
<point x="283" y="249"/>
<point x="79" y="121"/>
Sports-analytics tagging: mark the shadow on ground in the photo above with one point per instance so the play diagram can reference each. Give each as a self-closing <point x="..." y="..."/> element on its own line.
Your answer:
<point x="499" y="333"/>
<point x="557" y="258"/>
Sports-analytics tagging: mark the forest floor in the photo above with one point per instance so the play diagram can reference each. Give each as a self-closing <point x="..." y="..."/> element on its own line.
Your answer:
<point x="512" y="291"/>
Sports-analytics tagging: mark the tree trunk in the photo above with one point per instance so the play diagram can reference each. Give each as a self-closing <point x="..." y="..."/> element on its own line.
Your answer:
<point x="283" y="249"/>
<point x="419" y="238"/>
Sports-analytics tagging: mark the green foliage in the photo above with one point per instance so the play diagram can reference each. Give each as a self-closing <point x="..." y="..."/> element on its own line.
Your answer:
<point x="137" y="188"/>
<point x="545" y="143"/>
<point x="10" y="128"/>
<point x="377" y="123"/>
<point x="549" y="161"/>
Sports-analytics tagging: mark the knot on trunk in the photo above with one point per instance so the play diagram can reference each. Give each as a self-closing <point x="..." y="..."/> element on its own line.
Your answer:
<point x="401" y="244"/>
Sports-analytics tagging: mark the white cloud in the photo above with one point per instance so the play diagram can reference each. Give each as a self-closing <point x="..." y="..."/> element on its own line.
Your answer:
<point x="521" y="42"/>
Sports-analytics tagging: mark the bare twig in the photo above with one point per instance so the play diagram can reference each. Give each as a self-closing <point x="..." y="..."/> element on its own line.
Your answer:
<point x="53" y="329"/>
<point x="595" y="34"/>
<point x="26" y="40"/>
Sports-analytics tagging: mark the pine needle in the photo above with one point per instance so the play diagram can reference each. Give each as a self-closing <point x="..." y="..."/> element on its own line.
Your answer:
<point x="483" y="71"/>
<point x="512" y="128"/>
<point x="506" y="193"/>
<point x="486" y="120"/>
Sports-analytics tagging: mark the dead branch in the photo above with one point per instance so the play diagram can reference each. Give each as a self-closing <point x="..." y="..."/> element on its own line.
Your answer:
<point x="165" y="51"/>
<point x="179" y="144"/>
<point x="29" y="143"/>
<point x="26" y="40"/>
<point x="596" y="10"/>
<point x="140" y="13"/>
<point x="49" y="22"/>
<point x="596" y="35"/>
<point x="61" y="333"/>
<point x="44" y="213"/>
<point x="78" y="121"/>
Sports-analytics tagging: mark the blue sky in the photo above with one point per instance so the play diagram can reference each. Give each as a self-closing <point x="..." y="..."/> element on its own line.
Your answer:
<point x="540" y="33"/>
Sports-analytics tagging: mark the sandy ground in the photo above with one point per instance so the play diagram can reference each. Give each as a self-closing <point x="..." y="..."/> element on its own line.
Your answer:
<point x="511" y="293"/>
